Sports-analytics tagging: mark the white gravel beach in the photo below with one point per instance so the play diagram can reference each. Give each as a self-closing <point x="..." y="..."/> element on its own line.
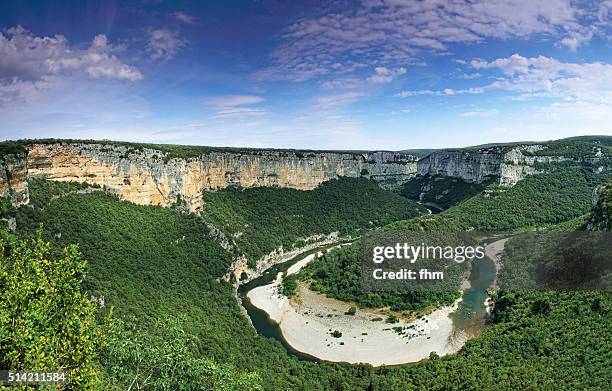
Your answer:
<point x="308" y="321"/>
<point x="494" y="251"/>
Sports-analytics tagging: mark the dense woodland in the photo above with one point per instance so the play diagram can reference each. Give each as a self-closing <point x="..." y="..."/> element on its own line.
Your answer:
<point x="338" y="274"/>
<point x="170" y="151"/>
<point x="439" y="192"/>
<point x="602" y="213"/>
<point x="159" y="270"/>
<point x="578" y="147"/>
<point x="538" y="201"/>
<point x="262" y="219"/>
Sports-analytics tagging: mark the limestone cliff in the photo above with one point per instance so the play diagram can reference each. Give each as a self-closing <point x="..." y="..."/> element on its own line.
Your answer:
<point x="601" y="215"/>
<point x="506" y="166"/>
<point x="13" y="174"/>
<point x="150" y="176"/>
<point x="147" y="175"/>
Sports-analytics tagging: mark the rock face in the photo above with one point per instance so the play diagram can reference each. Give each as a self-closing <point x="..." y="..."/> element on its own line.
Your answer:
<point x="506" y="166"/>
<point x="13" y="178"/>
<point x="153" y="177"/>
<point x="474" y="167"/>
<point x="601" y="214"/>
<point x="148" y="176"/>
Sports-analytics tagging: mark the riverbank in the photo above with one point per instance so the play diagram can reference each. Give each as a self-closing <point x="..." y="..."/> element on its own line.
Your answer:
<point x="308" y="321"/>
<point x="494" y="251"/>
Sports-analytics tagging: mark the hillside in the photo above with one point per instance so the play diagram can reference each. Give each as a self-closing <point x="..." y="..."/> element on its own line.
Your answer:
<point x="261" y="219"/>
<point x="601" y="217"/>
<point x="537" y="201"/>
<point x="514" y="347"/>
<point x="160" y="269"/>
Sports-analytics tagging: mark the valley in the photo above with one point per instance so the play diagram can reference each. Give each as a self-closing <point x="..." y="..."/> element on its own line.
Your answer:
<point x="176" y="239"/>
<point x="304" y="321"/>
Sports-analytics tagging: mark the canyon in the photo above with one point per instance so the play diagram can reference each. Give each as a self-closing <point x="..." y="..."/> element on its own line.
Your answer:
<point x="149" y="176"/>
<point x="505" y="165"/>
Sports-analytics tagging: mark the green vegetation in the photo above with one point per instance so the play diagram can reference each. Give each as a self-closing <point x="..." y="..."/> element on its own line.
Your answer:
<point x="572" y="147"/>
<point x="164" y="359"/>
<point x="154" y="264"/>
<point x="535" y="202"/>
<point x="578" y="147"/>
<point x="557" y="261"/>
<point x="140" y="257"/>
<point x="560" y="259"/>
<point x="290" y="284"/>
<point x="6" y="209"/>
<point x="601" y="218"/>
<point x="46" y="321"/>
<point x="439" y="192"/>
<point x="171" y="150"/>
<point x="338" y="274"/>
<point x="262" y="219"/>
<point x="160" y="269"/>
<point x="11" y="148"/>
<point x="420" y="153"/>
<point x="42" y="192"/>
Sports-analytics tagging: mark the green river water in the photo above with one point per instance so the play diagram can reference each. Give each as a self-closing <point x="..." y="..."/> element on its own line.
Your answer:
<point x="470" y="317"/>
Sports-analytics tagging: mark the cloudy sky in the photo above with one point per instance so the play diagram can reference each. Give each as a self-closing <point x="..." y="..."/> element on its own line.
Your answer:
<point x="371" y="74"/>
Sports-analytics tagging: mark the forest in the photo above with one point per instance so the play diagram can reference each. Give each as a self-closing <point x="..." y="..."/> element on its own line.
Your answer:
<point x="149" y="278"/>
<point x="438" y="191"/>
<point x="262" y="219"/>
<point x="340" y="274"/>
<point x="536" y="202"/>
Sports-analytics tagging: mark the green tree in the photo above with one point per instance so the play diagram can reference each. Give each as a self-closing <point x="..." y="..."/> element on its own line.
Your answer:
<point x="164" y="359"/>
<point x="46" y="321"/>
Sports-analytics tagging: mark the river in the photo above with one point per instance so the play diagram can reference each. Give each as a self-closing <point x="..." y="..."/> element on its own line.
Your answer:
<point x="467" y="320"/>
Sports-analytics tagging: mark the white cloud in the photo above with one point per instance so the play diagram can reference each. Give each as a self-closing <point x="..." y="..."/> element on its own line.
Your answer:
<point x="232" y="106"/>
<point x="444" y="92"/>
<point x="164" y="44"/>
<point x="470" y="76"/>
<point x="532" y="77"/>
<point x="185" y="18"/>
<point x="31" y="64"/>
<point x="239" y="112"/>
<point x="604" y="13"/>
<point x="350" y="82"/>
<point x="235" y="100"/>
<point x="576" y="39"/>
<point x="330" y="101"/>
<point x="479" y="113"/>
<point x="382" y="33"/>
<point x="383" y="75"/>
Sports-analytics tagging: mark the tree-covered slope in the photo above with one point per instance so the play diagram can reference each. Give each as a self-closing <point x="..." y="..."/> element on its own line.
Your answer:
<point x="153" y="264"/>
<point x="439" y="192"/>
<point x="261" y="219"/>
<point x="537" y="201"/>
<point x="601" y="217"/>
<point x="159" y="265"/>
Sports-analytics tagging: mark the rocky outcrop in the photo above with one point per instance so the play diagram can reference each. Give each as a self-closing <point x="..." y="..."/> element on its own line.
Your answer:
<point x="505" y="165"/>
<point x="13" y="178"/>
<point x="149" y="176"/>
<point x="474" y="167"/>
<point x="601" y="215"/>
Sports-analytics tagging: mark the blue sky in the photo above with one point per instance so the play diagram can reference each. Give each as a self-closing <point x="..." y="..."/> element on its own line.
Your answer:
<point x="370" y="74"/>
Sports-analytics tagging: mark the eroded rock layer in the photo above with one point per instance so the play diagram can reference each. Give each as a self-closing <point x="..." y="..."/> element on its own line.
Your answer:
<point x="13" y="178"/>
<point x="507" y="166"/>
<point x="148" y="176"/>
